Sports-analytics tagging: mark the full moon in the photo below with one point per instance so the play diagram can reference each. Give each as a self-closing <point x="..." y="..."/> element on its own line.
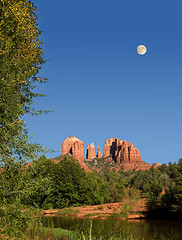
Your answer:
<point x="141" y="49"/>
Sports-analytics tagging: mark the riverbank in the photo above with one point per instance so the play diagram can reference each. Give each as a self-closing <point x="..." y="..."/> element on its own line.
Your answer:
<point x="122" y="210"/>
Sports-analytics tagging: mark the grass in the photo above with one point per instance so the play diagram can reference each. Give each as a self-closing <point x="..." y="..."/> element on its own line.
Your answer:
<point x="100" y="207"/>
<point x="60" y="233"/>
<point x="63" y="234"/>
<point x="115" y="215"/>
<point x="126" y="210"/>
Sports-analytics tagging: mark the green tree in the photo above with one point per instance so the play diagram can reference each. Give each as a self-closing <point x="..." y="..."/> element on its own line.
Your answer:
<point x="173" y="196"/>
<point x="117" y="185"/>
<point x="20" y="62"/>
<point x="21" y="59"/>
<point x="67" y="180"/>
<point x="97" y="189"/>
<point x="37" y="184"/>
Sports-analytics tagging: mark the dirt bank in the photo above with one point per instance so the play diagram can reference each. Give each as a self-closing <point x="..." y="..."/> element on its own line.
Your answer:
<point x="104" y="211"/>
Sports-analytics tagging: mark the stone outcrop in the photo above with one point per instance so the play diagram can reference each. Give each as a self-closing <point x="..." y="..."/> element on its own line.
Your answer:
<point x="121" y="151"/>
<point x="73" y="146"/>
<point x="90" y="151"/>
<point x="111" y="146"/>
<point x="99" y="154"/>
<point x="118" y="155"/>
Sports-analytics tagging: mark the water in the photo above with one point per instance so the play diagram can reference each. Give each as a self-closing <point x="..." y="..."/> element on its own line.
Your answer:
<point x="146" y="229"/>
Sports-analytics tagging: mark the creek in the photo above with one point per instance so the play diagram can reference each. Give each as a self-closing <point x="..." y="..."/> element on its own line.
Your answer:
<point x="142" y="229"/>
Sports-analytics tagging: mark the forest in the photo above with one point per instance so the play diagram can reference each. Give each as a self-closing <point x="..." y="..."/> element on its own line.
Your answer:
<point x="46" y="185"/>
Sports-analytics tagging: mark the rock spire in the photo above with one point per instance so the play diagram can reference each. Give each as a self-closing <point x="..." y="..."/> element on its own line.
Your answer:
<point x="90" y="151"/>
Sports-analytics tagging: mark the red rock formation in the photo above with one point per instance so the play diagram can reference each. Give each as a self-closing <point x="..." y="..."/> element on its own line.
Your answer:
<point x="99" y="154"/>
<point x="90" y="151"/>
<point x="121" y="151"/>
<point x="74" y="146"/>
<point x="125" y="155"/>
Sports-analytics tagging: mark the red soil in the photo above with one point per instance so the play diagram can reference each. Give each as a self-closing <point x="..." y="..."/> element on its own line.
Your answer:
<point x="101" y="211"/>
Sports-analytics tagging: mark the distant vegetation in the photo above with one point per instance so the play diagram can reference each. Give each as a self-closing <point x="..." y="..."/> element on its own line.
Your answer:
<point x="66" y="184"/>
<point x="100" y="164"/>
<point x="48" y="185"/>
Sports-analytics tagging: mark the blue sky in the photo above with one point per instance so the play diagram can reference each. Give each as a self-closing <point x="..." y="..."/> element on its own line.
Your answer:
<point x="99" y="87"/>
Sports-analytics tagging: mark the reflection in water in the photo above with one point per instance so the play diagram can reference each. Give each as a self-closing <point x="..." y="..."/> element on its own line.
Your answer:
<point x="149" y="230"/>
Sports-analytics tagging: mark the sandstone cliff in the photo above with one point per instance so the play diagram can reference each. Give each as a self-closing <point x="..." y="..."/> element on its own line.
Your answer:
<point x="73" y="146"/>
<point x="121" y="151"/>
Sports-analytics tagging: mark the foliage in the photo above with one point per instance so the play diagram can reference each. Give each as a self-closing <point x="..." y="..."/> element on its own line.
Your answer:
<point x="21" y="59"/>
<point x="20" y="62"/>
<point x="126" y="209"/>
<point x="100" y="163"/>
<point x="97" y="191"/>
<point x="151" y="181"/>
<point x="18" y="221"/>
<point x="166" y="179"/>
<point x="46" y="184"/>
<point x="62" y="185"/>
<point x="117" y="185"/>
<point x="100" y="207"/>
<point x="173" y="195"/>
<point x="63" y="234"/>
<point x="67" y="177"/>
